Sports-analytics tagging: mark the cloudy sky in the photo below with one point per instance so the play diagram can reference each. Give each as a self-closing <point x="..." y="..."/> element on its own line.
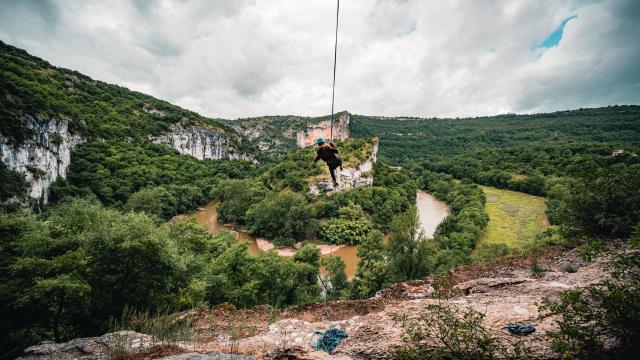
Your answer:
<point x="240" y="58"/>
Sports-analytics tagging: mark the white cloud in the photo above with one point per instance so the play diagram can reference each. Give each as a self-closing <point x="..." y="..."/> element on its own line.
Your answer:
<point x="425" y="58"/>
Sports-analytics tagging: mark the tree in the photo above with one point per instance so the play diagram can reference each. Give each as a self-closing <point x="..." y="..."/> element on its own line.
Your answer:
<point x="282" y="217"/>
<point x="607" y="203"/>
<point x="335" y="274"/>
<point x="156" y="201"/>
<point x="236" y="196"/>
<point x="372" y="273"/>
<point x="407" y="251"/>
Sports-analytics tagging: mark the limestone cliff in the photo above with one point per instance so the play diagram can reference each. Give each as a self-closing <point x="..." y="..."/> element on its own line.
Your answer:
<point x="203" y="142"/>
<point x="42" y="158"/>
<point x="283" y="134"/>
<point x="308" y="136"/>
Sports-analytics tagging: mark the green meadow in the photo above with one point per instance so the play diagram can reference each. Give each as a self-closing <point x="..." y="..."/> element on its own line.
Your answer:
<point x="515" y="218"/>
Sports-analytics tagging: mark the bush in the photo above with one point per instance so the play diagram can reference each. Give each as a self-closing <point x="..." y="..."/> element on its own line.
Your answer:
<point x="341" y="231"/>
<point x="606" y="203"/>
<point x="601" y="321"/>
<point x="448" y="332"/>
<point x="336" y="275"/>
<point x="408" y="252"/>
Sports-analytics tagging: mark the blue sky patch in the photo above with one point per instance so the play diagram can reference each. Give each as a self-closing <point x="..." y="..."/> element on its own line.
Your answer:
<point x="554" y="38"/>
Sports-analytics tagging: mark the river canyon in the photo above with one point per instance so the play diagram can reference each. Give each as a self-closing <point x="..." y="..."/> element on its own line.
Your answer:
<point x="431" y="212"/>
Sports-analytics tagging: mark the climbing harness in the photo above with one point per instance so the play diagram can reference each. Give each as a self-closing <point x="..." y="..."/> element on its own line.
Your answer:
<point x="330" y="339"/>
<point x="335" y="59"/>
<point x="520" y="329"/>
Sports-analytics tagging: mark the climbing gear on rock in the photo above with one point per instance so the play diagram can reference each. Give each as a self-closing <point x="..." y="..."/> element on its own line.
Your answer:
<point x="521" y="329"/>
<point x="330" y="339"/>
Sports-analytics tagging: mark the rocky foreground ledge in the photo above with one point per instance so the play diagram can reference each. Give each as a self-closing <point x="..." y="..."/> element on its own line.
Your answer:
<point x="506" y="291"/>
<point x="119" y="345"/>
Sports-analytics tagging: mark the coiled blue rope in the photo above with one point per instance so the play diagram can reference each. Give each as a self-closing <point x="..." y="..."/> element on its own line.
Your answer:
<point x="330" y="339"/>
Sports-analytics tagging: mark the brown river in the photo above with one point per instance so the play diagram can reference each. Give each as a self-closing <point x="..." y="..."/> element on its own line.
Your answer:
<point x="431" y="212"/>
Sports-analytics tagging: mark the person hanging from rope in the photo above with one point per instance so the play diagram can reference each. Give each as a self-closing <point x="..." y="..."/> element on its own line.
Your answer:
<point x="328" y="153"/>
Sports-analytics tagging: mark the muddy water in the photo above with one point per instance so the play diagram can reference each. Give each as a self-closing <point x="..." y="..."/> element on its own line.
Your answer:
<point x="209" y="217"/>
<point x="430" y="210"/>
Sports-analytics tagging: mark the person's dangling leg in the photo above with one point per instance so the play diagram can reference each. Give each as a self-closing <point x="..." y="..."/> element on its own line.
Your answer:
<point x="332" y="171"/>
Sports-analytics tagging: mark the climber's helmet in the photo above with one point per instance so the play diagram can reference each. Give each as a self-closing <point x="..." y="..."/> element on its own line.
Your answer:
<point x="319" y="141"/>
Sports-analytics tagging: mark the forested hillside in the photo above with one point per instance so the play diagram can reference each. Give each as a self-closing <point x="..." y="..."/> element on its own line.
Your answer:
<point x="116" y="157"/>
<point x="94" y="109"/>
<point x="518" y="152"/>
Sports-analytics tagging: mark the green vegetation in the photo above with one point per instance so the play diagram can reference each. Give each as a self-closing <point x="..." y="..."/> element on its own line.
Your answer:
<point x="604" y="203"/>
<point x="143" y="176"/>
<point x="352" y="226"/>
<point x="335" y="267"/>
<point x="282" y="217"/>
<point x="276" y="205"/>
<point x="12" y="184"/>
<point x="448" y="332"/>
<point x="409" y="253"/>
<point x="93" y="109"/>
<point x="236" y="196"/>
<point x="517" y="152"/>
<point x="515" y="219"/>
<point x="601" y="321"/>
<point x="70" y="272"/>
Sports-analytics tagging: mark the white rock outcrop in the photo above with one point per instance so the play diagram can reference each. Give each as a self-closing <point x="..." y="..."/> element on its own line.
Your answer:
<point x="323" y="129"/>
<point x="201" y="143"/>
<point x="44" y="157"/>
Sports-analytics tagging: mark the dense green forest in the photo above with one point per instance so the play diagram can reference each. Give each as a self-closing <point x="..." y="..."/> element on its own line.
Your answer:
<point x="517" y="152"/>
<point x="143" y="176"/>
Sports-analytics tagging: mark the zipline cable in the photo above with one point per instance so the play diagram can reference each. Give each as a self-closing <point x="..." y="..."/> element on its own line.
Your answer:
<point x="335" y="60"/>
<point x="333" y="94"/>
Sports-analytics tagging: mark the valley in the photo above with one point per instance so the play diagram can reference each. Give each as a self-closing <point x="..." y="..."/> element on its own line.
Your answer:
<point x="123" y="213"/>
<point x="430" y="211"/>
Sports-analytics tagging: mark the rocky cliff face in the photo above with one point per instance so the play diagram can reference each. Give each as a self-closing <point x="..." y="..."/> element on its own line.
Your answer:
<point x="119" y="345"/>
<point x="323" y="129"/>
<point x="42" y="158"/>
<point x="282" y="134"/>
<point x="202" y="143"/>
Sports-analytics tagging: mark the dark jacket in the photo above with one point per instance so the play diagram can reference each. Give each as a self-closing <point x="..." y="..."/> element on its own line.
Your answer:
<point x="327" y="152"/>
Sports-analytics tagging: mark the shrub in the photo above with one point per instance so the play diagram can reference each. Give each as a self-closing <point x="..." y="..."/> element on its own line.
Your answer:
<point x="341" y="231"/>
<point x="447" y="332"/>
<point x="601" y="321"/>
<point x="336" y="275"/>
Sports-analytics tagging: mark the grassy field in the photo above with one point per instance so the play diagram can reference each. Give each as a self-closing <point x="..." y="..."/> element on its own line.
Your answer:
<point x="515" y="218"/>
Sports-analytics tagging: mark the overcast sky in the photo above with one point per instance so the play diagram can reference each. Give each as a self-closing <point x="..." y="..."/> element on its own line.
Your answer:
<point x="240" y="58"/>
